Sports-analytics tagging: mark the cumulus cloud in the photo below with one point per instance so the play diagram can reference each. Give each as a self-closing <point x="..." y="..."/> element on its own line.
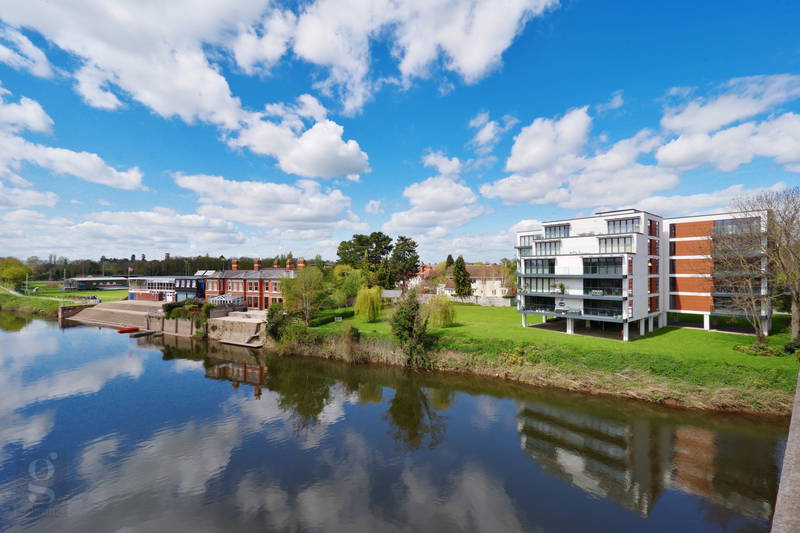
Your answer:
<point x="615" y="102"/>
<point x="445" y="166"/>
<point x="28" y="115"/>
<point x="720" y="200"/>
<point x="373" y="207"/>
<point x="550" y="164"/>
<point x="19" y="52"/>
<point x="304" y="205"/>
<point x="738" y="99"/>
<point x="258" y="47"/>
<point x="489" y="132"/>
<point x="16" y="197"/>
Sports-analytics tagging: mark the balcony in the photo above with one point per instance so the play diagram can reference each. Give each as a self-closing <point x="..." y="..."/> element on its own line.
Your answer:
<point x="599" y="294"/>
<point x="567" y="272"/>
<point x="603" y="315"/>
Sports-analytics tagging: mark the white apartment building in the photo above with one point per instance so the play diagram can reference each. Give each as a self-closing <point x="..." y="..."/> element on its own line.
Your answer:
<point x="625" y="267"/>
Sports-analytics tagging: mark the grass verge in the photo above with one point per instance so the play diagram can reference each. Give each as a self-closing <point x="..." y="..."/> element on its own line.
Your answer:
<point x="28" y="306"/>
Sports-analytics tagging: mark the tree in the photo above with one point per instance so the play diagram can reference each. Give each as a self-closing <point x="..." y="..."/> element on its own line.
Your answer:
<point x="509" y="274"/>
<point x="365" y="251"/>
<point x="440" y="311"/>
<point x="778" y="241"/>
<point x="461" y="278"/>
<point x="368" y="303"/>
<point x="404" y="260"/>
<point x="13" y="272"/>
<point x="340" y="271"/>
<point x="305" y="292"/>
<point x="410" y="328"/>
<point x="449" y="262"/>
<point x="385" y="275"/>
<point x="353" y="282"/>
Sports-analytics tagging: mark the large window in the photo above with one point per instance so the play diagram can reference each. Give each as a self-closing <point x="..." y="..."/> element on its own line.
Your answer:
<point x="527" y="240"/>
<point x="556" y="232"/>
<point x="540" y="266"/>
<point x="606" y="308"/>
<point x="539" y="303"/>
<point x="733" y="226"/>
<point x="602" y="265"/>
<point x="612" y="245"/>
<point x="548" y="248"/>
<point x="626" y="225"/>
<point x="602" y="287"/>
<point x="536" y="284"/>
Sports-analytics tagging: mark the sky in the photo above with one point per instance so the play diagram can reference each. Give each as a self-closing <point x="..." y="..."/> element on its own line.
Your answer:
<point x="255" y="128"/>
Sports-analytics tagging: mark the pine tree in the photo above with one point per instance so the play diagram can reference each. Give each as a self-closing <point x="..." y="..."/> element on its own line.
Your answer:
<point x="449" y="261"/>
<point x="461" y="278"/>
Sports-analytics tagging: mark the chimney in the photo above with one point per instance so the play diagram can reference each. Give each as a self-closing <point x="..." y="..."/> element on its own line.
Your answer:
<point x="289" y="264"/>
<point x="301" y="263"/>
<point x="234" y="264"/>
<point x="257" y="264"/>
<point x="276" y="264"/>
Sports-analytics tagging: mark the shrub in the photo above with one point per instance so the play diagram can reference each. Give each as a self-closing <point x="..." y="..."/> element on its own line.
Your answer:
<point x="275" y="320"/>
<point x="759" y="349"/>
<point x="516" y="357"/>
<point x="206" y="309"/>
<point x="293" y="332"/>
<point x="792" y="346"/>
<point x="410" y="328"/>
<point x="440" y="311"/>
<point x="368" y="303"/>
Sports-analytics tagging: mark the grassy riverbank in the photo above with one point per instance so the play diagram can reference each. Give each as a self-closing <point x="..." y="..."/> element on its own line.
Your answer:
<point x="28" y="306"/>
<point x="680" y="366"/>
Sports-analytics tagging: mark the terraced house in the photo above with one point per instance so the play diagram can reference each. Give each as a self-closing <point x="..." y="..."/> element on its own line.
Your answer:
<point x="626" y="267"/>
<point x="257" y="289"/>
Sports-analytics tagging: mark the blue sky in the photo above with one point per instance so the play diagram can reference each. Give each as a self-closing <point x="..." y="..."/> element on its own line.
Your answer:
<point x="256" y="128"/>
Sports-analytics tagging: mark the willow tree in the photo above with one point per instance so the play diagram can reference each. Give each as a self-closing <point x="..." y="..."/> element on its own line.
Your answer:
<point x="368" y="303"/>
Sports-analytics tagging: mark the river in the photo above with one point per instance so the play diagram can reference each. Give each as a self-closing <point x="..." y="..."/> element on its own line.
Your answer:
<point x="101" y="432"/>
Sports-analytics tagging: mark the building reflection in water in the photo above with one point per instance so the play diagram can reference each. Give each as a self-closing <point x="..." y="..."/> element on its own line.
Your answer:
<point x="631" y="462"/>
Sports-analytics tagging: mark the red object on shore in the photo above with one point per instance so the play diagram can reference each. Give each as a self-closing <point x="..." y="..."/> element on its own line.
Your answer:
<point x="127" y="330"/>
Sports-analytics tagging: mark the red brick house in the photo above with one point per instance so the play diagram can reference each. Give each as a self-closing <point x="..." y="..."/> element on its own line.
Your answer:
<point x="259" y="288"/>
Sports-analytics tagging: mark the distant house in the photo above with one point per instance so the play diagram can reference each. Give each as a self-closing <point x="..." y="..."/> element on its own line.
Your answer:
<point x="258" y="288"/>
<point x="486" y="281"/>
<point x="425" y="273"/>
<point x="94" y="283"/>
<point x="166" y="288"/>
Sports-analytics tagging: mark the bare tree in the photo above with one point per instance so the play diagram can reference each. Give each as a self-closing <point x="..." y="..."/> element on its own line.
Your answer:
<point x="781" y="245"/>
<point x="741" y="269"/>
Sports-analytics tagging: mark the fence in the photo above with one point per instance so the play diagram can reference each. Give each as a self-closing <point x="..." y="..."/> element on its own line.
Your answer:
<point x="488" y="301"/>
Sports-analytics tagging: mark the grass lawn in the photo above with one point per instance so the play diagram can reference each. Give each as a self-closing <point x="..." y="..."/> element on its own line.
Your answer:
<point x="688" y="356"/>
<point x="53" y="289"/>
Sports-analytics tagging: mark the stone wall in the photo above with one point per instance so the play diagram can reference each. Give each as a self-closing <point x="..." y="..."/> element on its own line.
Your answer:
<point x="183" y="327"/>
<point x="489" y="301"/>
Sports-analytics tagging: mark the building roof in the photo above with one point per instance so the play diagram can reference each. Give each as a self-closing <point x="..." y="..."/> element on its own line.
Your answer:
<point x="99" y="278"/>
<point x="264" y="273"/>
<point x="485" y="271"/>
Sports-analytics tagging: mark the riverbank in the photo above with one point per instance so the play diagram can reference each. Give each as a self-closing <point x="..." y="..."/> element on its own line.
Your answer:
<point x="673" y="366"/>
<point x="30" y="306"/>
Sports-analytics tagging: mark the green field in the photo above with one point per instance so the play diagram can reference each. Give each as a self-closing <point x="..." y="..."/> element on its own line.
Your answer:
<point x="684" y="357"/>
<point x="53" y="289"/>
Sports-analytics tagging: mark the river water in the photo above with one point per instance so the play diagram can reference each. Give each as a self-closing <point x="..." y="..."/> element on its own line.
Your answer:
<point x="100" y="432"/>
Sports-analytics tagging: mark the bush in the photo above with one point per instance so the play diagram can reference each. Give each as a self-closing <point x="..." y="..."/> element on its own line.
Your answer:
<point x="516" y="357"/>
<point x="792" y="347"/>
<point x="368" y="304"/>
<point x="410" y="328"/>
<point x="759" y="350"/>
<point x="276" y="318"/>
<point x="206" y="309"/>
<point x="440" y="312"/>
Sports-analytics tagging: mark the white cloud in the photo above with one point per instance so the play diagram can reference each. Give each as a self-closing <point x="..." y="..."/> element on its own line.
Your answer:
<point x="488" y="131"/>
<point x="373" y="207"/>
<point x="304" y="205"/>
<point x="104" y="202"/>
<point x="615" y="102"/>
<point x="713" y="201"/>
<point x="732" y="147"/>
<point x="16" y="197"/>
<point x="19" y="52"/>
<point x="445" y="166"/>
<point x="258" y="47"/>
<point x="544" y="142"/>
<point x="28" y="115"/>
<point x="739" y="98"/>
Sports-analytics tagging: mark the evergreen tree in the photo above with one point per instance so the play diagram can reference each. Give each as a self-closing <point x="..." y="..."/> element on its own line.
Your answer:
<point x="385" y="275"/>
<point x="449" y="261"/>
<point x="404" y="260"/>
<point x="461" y="278"/>
<point x="410" y="328"/>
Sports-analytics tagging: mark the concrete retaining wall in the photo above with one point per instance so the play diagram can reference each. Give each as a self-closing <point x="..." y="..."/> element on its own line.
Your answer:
<point x="787" y="508"/>
<point x="182" y="327"/>
<point x="68" y="311"/>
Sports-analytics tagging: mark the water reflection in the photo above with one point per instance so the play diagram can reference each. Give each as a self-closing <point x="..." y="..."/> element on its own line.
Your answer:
<point x="169" y="433"/>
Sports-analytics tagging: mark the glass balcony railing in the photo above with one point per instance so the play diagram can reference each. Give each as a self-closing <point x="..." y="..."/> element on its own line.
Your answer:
<point x="574" y="292"/>
<point x="604" y="292"/>
<point x="609" y="313"/>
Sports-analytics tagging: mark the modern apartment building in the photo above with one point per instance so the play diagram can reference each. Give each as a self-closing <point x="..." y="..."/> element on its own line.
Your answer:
<point x="625" y="267"/>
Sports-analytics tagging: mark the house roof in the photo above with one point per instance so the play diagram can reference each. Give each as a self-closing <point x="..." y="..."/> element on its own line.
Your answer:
<point x="264" y="273"/>
<point x="485" y="271"/>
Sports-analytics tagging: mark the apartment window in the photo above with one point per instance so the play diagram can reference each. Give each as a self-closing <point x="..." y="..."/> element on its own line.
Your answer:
<point x="672" y="231"/>
<point x="626" y="225"/>
<point x="672" y="248"/>
<point x="652" y="285"/>
<point x="276" y="287"/>
<point x="653" y="227"/>
<point x="652" y="246"/>
<point x="652" y="304"/>
<point x="671" y="266"/>
<point x="548" y="248"/>
<point x="602" y="287"/>
<point x="556" y="232"/>
<point x="539" y="303"/>
<point x="652" y="266"/>
<point x="527" y="240"/>
<point x="733" y="226"/>
<point x="608" y="308"/>
<point x="540" y="266"/>
<point x="537" y="285"/>
<point x="602" y="265"/>
<point x="612" y="245"/>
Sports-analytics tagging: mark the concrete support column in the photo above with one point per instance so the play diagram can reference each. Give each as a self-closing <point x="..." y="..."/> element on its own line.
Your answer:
<point x="588" y="324"/>
<point x="642" y="326"/>
<point x="524" y="320"/>
<point x="662" y="320"/>
<point x="570" y="326"/>
<point x="706" y="322"/>
<point x="766" y="324"/>
<point x="650" y="324"/>
<point x="625" y="331"/>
